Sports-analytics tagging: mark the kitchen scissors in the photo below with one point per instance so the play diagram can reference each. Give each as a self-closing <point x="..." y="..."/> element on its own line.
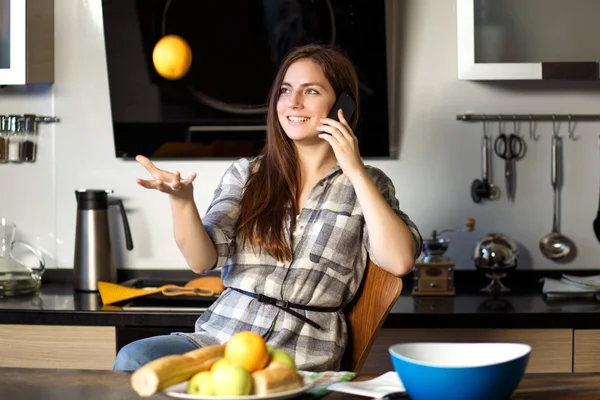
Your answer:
<point x="510" y="148"/>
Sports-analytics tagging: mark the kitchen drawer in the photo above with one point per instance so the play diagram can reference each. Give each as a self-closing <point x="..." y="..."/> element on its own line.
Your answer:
<point x="48" y="346"/>
<point x="552" y="349"/>
<point x="586" y="349"/>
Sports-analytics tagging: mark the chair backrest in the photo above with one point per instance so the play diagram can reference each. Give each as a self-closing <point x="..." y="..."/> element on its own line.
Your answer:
<point x="378" y="292"/>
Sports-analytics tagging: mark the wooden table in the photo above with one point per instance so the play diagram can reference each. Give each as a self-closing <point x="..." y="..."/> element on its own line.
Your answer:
<point x="53" y="384"/>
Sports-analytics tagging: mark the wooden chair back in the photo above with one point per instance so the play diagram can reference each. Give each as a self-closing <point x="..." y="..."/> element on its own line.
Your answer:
<point x="378" y="292"/>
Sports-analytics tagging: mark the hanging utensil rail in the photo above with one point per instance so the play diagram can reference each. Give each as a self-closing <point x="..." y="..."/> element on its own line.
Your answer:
<point x="528" y="117"/>
<point x="44" y="119"/>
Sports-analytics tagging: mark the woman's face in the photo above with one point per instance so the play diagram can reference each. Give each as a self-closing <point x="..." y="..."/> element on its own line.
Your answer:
<point x="305" y="97"/>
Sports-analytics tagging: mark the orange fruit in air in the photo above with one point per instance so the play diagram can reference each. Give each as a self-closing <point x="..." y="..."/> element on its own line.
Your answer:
<point x="172" y="57"/>
<point x="248" y="350"/>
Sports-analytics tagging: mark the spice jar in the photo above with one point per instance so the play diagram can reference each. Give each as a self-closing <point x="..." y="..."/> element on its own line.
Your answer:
<point x="3" y="139"/>
<point x="14" y="139"/>
<point x="29" y="137"/>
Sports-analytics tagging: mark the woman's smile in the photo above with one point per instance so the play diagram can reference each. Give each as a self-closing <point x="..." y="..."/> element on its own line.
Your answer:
<point x="297" y="120"/>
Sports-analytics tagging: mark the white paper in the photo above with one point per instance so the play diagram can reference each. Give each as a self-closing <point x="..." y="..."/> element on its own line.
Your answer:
<point x="558" y="286"/>
<point x="377" y="387"/>
<point x="588" y="281"/>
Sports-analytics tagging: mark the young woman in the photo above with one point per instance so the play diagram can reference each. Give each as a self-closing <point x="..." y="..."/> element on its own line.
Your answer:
<point x="293" y="227"/>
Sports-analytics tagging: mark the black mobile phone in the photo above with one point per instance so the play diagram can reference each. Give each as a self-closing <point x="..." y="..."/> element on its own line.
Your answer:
<point x="348" y="106"/>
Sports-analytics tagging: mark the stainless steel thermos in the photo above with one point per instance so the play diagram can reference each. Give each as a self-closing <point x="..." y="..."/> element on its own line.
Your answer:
<point x="94" y="258"/>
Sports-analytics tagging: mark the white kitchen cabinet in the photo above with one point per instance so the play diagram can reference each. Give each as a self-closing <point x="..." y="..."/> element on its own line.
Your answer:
<point x="528" y="39"/>
<point x="26" y="41"/>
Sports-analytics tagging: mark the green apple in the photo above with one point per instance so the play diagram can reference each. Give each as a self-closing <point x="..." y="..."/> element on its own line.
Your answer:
<point x="231" y="380"/>
<point x="281" y="356"/>
<point x="223" y="362"/>
<point x="201" y="384"/>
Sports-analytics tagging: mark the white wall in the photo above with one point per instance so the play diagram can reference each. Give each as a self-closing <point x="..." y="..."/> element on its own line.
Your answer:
<point x="438" y="156"/>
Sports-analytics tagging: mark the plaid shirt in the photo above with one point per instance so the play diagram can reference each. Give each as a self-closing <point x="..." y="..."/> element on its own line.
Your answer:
<point x="330" y="247"/>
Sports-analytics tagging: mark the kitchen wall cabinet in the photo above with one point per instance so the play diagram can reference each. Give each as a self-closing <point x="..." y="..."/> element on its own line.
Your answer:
<point x="527" y="39"/>
<point x="63" y="347"/>
<point x="552" y="349"/>
<point x="26" y="41"/>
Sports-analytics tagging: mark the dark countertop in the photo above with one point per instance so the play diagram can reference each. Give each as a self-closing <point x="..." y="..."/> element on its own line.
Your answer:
<point x="59" y="304"/>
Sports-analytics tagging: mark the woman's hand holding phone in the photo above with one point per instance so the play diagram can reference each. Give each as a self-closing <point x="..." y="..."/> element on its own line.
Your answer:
<point x="164" y="181"/>
<point x="344" y="143"/>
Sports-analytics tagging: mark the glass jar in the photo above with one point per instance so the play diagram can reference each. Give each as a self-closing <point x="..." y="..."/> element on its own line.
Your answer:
<point x="21" y="264"/>
<point x="14" y="139"/>
<point x="29" y="139"/>
<point x="3" y="139"/>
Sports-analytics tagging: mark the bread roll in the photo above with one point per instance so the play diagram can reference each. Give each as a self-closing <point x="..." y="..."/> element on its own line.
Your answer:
<point x="166" y="371"/>
<point x="276" y="378"/>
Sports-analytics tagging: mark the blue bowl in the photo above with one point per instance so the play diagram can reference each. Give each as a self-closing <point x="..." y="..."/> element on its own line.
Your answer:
<point x="465" y="371"/>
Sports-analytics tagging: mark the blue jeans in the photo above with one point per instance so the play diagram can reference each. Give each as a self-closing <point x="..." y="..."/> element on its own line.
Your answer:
<point x="140" y="352"/>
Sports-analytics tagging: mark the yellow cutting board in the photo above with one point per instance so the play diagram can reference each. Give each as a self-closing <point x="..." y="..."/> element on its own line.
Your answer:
<point x="111" y="293"/>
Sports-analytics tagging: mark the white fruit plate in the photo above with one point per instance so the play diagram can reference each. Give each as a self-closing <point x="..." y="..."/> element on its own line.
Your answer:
<point x="178" y="391"/>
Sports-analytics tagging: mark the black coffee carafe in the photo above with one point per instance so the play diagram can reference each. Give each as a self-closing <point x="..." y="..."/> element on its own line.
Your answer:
<point x="94" y="258"/>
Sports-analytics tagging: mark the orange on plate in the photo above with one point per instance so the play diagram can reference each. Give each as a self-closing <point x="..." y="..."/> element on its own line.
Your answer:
<point x="248" y="350"/>
<point x="172" y="57"/>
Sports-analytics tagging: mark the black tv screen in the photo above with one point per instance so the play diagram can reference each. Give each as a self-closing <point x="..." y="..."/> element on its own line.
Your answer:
<point x="217" y="110"/>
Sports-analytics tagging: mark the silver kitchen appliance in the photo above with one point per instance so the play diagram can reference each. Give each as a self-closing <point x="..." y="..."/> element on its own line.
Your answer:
<point x="94" y="258"/>
<point x="496" y="255"/>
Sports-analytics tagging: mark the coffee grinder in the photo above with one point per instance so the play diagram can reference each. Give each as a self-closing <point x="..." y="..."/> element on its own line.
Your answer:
<point x="433" y="275"/>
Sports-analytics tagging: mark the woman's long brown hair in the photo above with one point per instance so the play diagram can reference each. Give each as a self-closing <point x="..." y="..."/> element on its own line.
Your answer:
<point x="271" y="193"/>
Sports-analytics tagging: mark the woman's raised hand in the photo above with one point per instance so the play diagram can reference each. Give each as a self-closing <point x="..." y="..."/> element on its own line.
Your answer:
<point x="164" y="181"/>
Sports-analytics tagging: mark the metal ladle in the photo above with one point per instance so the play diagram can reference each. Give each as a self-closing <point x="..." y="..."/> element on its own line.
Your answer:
<point x="555" y="245"/>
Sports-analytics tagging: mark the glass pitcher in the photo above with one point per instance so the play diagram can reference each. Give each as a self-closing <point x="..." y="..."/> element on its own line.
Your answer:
<point x="21" y="264"/>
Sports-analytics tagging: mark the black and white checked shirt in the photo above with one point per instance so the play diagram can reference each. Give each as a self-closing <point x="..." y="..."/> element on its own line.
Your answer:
<point x="330" y="247"/>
